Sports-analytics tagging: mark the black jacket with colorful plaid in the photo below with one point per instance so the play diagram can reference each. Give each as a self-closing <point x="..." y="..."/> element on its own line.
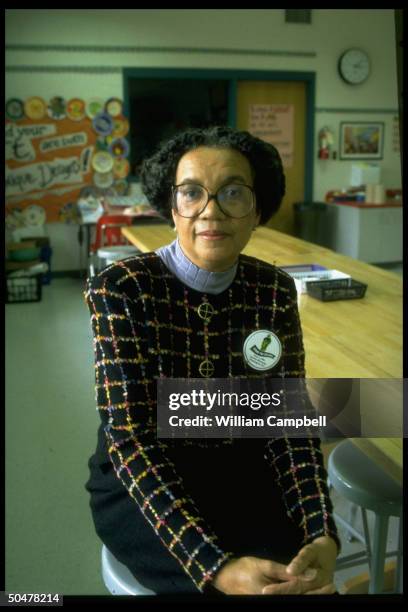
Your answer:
<point x="146" y="325"/>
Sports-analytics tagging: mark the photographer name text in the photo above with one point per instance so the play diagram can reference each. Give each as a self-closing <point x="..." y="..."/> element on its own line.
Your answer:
<point x="242" y="421"/>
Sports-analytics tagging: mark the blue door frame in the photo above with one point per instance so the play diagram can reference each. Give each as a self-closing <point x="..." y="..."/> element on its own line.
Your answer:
<point x="233" y="76"/>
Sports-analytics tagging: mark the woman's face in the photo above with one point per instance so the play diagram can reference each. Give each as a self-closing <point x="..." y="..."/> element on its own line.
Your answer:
<point x="212" y="240"/>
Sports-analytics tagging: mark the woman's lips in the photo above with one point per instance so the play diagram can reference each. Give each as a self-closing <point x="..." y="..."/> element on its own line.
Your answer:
<point x="212" y="235"/>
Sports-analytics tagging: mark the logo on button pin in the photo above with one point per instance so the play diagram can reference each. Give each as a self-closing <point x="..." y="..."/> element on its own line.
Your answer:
<point x="262" y="350"/>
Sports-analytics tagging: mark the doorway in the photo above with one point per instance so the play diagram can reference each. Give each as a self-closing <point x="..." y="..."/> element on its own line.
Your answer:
<point x="159" y="102"/>
<point x="159" y="108"/>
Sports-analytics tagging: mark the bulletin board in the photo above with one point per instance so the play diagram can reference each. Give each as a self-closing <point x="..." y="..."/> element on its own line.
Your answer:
<point x="54" y="149"/>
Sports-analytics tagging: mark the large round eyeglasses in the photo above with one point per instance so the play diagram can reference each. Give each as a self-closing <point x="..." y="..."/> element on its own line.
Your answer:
<point x="234" y="200"/>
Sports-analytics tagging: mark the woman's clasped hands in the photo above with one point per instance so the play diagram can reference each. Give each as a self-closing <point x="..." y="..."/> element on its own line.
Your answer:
<point x="310" y="572"/>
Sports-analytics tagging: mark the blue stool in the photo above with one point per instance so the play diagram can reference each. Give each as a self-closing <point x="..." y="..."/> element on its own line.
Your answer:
<point x="354" y="476"/>
<point x="118" y="579"/>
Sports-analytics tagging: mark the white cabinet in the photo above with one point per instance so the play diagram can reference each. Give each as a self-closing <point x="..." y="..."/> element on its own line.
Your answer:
<point x="370" y="233"/>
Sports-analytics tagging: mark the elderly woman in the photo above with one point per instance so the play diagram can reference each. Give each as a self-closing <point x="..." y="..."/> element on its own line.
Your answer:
<point x="226" y="516"/>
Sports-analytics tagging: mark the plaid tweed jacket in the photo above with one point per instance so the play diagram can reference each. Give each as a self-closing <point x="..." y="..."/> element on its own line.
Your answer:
<point x="146" y="325"/>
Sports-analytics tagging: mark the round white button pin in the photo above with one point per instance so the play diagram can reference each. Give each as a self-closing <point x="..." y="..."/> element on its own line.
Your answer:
<point x="262" y="350"/>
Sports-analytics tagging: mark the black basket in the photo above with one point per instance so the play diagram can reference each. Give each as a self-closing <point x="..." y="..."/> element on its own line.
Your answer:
<point x="20" y="289"/>
<point x="336" y="289"/>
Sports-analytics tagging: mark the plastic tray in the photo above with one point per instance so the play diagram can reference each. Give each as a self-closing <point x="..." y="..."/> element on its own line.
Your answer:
<point x="23" y="289"/>
<point x="339" y="289"/>
<point x="302" y="268"/>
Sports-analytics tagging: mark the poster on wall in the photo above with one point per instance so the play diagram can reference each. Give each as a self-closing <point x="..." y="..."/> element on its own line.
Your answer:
<point x="274" y="124"/>
<point x="55" y="149"/>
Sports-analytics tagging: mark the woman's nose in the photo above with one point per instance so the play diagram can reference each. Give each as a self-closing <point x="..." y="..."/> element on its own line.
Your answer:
<point x="212" y="210"/>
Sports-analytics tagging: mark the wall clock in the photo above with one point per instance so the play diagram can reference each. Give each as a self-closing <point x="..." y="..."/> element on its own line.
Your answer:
<point x="354" y="66"/>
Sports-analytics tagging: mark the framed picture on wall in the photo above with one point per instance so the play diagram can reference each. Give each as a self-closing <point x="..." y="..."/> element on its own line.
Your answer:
<point x="361" y="140"/>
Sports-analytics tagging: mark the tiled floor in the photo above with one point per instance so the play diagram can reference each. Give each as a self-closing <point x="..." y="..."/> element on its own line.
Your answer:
<point x="342" y="507"/>
<point x="51" y="422"/>
<point x="51" y="427"/>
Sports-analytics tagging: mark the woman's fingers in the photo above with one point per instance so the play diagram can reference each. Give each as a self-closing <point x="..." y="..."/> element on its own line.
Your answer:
<point x="305" y="557"/>
<point x="291" y="587"/>
<point x="297" y="588"/>
<point x="328" y="589"/>
<point x="273" y="570"/>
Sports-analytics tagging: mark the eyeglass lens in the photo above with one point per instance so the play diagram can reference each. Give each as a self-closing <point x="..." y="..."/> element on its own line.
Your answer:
<point x="235" y="200"/>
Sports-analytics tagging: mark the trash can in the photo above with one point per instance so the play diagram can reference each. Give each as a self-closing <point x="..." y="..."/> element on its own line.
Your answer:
<point x="312" y="222"/>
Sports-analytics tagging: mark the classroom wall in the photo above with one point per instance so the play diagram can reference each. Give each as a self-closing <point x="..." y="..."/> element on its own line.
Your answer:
<point x="116" y="39"/>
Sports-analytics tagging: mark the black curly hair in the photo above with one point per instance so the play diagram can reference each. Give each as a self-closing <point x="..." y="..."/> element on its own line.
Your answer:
<point x="158" y="172"/>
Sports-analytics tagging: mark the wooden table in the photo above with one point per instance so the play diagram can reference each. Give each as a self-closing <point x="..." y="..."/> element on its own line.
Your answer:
<point x="343" y="339"/>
